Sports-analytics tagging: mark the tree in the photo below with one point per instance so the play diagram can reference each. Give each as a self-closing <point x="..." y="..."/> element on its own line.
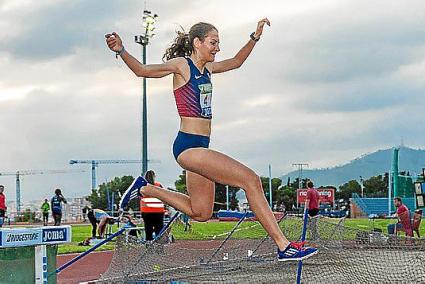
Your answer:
<point x="276" y="183"/>
<point x="119" y="185"/>
<point x="376" y="186"/>
<point x="287" y="195"/>
<point x="234" y="201"/>
<point x="296" y="184"/>
<point x="347" y="189"/>
<point x="181" y="183"/>
<point x="220" y="193"/>
<point x="220" y="197"/>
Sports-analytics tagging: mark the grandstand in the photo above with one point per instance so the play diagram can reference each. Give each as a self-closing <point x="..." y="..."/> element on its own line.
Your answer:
<point x="399" y="185"/>
<point x="364" y="207"/>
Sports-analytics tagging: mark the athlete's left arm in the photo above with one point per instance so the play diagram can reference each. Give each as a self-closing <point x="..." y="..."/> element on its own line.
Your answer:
<point x="242" y="55"/>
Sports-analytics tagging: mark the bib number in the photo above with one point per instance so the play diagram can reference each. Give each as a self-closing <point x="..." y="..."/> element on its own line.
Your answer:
<point x="205" y="98"/>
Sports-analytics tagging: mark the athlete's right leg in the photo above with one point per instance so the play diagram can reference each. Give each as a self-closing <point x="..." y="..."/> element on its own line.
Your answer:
<point x="215" y="166"/>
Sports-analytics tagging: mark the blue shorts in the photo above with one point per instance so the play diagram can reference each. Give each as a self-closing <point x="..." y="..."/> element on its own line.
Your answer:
<point x="186" y="141"/>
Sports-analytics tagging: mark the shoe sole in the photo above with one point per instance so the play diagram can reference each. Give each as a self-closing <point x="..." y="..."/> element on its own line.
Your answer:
<point x="299" y="258"/>
<point x="138" y="189"/>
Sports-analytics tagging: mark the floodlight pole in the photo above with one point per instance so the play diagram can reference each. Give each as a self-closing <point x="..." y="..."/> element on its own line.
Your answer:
<point x="300" y="174"/>
<point x="148" y="24"/>
<point x="270" y="186"/>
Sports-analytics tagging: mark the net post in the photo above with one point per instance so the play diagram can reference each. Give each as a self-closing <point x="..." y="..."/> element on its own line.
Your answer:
<point x="165" y="228"/>
<point x="300" y="262"/>
<point x="227" y="237"/>
<point x="119" y="232"/>
<point x="40" y="261"/>
<point x="267" y="235"/>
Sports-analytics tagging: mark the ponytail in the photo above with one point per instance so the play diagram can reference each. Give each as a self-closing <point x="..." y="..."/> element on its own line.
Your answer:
<point x="181" y="47"/>
<point x="183" y="43"/>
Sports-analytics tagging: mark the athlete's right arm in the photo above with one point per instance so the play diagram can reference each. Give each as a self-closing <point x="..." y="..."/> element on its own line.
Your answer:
<point x="140" y="70"/>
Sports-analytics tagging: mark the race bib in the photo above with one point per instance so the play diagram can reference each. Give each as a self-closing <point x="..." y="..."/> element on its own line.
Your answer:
<point x="205" y="98"/>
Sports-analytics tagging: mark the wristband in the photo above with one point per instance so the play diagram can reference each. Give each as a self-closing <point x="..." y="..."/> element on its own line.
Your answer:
<point x="253" y="37"/>
<point x="120" y="52"/>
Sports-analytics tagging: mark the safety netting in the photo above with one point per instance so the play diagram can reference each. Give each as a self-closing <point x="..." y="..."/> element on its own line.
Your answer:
<point x="246" y="254"/>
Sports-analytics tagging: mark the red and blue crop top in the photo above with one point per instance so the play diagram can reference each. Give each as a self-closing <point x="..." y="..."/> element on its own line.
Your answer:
<point x="194" y="98"/>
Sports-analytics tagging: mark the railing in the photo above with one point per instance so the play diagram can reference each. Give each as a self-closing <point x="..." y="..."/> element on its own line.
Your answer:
<point x="360" y="203"/>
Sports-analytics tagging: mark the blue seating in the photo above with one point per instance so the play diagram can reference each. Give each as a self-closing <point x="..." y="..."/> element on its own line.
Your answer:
<point x="379" y="206"/>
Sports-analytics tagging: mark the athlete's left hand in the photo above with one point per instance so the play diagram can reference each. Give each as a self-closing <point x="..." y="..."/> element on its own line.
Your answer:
<point x="260" y="27"/>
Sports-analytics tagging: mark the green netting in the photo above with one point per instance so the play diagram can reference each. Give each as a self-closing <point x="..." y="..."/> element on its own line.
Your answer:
<point x="17" y="265"/>
<point x="346" y="255"/>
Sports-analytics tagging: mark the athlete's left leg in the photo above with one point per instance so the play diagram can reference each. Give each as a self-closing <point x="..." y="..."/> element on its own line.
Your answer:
<point x="199" y="202"/>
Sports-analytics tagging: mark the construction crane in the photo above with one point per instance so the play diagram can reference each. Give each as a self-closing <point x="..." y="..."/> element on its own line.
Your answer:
<point x="32" y="172"/>
<point x="95" y="163"/>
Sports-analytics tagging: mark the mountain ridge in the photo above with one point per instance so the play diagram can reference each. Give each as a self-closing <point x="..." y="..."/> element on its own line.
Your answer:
<point x="367" y="165"/>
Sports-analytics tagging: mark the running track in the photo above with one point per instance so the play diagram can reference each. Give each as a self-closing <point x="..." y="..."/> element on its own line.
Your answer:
<point x="88" y="268"/>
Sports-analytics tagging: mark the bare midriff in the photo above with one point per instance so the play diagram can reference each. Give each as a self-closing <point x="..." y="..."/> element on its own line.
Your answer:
<point x="195" y="125"/>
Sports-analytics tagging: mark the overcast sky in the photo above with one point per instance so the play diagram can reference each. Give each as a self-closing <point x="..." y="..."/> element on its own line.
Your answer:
<point x="329" y="81"/>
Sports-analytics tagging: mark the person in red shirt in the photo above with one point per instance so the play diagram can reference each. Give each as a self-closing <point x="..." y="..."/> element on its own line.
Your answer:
<point x="2" y="205"/>
<point x="312" y="205"/>
<point x="312" y="202"/>
<point x="403" y="215"/>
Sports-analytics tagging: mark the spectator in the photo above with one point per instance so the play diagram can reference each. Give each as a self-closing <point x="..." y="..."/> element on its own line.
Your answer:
<point x="84" y="210"/>
<point x="153" y="210"/>
<point x="45" y="208"/>
<point x="312" y="202"/>
<point x="3" y="207"/>
<point x="403" y="215"/>
<point x="186" y="222"/>
<point x="98" y="216"/>
<point x="56" y="204"/>
<point x="312" y="205"/>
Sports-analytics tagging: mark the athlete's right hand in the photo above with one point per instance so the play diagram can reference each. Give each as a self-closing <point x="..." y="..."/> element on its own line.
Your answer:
<point x="114" y="41"/>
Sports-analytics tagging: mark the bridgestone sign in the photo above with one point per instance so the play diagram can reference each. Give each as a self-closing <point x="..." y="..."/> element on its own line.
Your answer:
<point x="34" y="236"/>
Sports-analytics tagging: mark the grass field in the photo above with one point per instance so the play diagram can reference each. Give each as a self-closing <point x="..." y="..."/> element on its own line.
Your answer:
<point x="205" y="231"/>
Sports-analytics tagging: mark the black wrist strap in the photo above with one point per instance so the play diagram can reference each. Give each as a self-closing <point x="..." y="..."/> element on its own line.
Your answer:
<point x="253" y="37"/>
<point x="120" y="52"/>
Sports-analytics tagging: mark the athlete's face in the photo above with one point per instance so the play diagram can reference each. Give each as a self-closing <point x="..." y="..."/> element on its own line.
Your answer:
<point x="209" y="47"/>
<point x="397" y="203"/>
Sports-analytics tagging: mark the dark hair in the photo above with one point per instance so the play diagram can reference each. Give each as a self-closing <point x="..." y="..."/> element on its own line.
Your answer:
<point x="150" y="176"/>
<point x="111" y="221"/>
<point x="398" y="199"/>
<point x="183" y="43"/>
<point x="58" y="191"/>
<point x="310" y="184"/>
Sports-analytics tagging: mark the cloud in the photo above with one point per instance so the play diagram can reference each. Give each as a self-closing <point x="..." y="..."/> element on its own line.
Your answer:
<point x="326" y="83"/>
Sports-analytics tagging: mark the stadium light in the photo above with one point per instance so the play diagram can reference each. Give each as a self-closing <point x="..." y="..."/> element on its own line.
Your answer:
<point x="148" y="24"/>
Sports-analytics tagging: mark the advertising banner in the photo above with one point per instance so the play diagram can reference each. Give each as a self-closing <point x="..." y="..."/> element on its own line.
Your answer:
<point x="326" y="195"/>
<point x="34" y="236"/>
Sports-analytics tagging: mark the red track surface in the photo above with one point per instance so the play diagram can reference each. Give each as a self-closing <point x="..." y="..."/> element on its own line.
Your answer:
<point x="87" y="268"/>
